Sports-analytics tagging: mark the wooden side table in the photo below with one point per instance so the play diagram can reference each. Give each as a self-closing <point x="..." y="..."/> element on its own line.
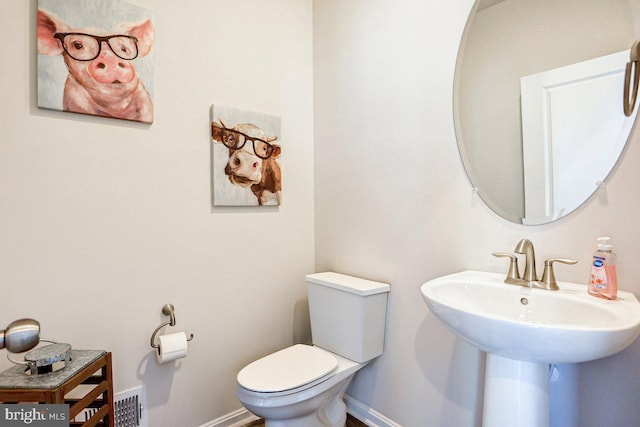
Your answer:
<point x="87" y="367"/>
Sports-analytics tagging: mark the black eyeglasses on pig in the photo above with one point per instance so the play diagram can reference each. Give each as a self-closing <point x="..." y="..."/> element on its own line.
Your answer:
<point x="87" y="47"/>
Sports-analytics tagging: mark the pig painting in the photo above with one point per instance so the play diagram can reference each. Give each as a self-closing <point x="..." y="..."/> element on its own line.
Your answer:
<point x="246" y="169"/>
<point x="101" y="77"/>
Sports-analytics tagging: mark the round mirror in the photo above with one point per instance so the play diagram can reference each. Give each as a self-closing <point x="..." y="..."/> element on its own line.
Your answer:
<point x="538" y="101"/>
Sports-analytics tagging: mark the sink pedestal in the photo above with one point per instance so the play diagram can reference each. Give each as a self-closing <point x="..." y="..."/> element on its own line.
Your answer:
<point x="516" y="393"/>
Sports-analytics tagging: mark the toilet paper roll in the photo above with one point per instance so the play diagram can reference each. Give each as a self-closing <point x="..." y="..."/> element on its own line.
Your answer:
<point x="172" y="347"/>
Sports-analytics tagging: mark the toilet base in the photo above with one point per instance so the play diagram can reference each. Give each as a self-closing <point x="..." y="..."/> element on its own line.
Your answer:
<point x="331" y="410"/>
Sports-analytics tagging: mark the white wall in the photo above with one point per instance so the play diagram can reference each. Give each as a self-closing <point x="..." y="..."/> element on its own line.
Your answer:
<point x="104" y="221"/>
<point x="393" y="204"/>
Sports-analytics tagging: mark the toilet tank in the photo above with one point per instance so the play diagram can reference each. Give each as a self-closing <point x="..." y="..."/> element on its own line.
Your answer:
<point x="348" y="314"/>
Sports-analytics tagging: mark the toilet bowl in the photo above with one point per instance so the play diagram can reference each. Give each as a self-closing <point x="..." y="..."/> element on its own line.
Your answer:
<point x="303" y="385"/>
<point x="299" y="386"/>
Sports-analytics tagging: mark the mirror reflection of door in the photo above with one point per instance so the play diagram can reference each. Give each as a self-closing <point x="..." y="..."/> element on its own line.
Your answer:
<point x="572" y="133"/>
<point x="506" y="40"/>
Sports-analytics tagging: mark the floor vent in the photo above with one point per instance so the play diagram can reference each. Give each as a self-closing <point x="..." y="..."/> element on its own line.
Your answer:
<point x="128" y="406"/>
<point x="128" y="409"/>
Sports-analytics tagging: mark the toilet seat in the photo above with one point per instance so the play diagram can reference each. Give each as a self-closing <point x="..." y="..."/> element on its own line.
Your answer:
<point x="288" y="371"/>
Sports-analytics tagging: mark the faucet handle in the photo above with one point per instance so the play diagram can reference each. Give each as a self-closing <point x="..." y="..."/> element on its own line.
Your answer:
<point x="548" y="277"/>
<point x="514" y="272"/>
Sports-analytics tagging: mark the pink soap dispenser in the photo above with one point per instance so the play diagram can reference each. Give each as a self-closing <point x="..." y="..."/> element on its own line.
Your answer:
<point x="604" y="280"/>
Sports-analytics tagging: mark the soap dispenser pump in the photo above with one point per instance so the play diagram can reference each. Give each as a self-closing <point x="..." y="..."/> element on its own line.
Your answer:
<point x="604" y="281"/>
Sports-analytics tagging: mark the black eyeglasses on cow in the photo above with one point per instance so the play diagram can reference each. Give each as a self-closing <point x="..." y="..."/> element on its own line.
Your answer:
<point x="235" y="140"/>
<point x="87" y="47"/>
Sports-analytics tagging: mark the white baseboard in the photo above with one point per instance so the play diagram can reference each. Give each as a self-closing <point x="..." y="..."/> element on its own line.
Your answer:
<point x="367" y="415"/>
<point x="236" y="418"/>
<point x="355" y="408"/>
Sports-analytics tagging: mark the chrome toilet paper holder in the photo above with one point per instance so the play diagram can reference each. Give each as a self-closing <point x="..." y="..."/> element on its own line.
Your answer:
<point x="167" y="310"/>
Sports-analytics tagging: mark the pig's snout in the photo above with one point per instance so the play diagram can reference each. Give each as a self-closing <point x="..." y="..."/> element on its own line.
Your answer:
<point x="108" y="68"/>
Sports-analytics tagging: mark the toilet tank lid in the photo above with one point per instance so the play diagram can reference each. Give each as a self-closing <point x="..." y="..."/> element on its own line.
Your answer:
<point x="347" y="283"/>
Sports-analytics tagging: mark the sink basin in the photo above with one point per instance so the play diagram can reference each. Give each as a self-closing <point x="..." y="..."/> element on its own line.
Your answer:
<point x="523" y="330"/>
<point x="533" y="325"/>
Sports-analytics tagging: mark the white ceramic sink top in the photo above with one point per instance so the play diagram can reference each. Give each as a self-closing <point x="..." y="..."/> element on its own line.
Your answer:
<point x="534" y="325"/>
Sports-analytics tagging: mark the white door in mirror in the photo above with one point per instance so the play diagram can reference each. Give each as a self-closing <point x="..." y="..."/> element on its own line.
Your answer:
<point x="563" y="157"/>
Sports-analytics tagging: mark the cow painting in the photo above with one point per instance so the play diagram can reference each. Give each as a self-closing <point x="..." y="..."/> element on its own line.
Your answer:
<point x="249" y="158"/>
<point x="102" y="78"/>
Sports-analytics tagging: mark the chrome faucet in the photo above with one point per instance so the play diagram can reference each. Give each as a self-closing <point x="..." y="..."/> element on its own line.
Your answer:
<point x="530" y="277"/>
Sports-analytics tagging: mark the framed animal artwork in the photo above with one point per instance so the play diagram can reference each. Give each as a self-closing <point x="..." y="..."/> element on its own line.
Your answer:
<point x="246" y="149"/>
<point x="96" y="57"/>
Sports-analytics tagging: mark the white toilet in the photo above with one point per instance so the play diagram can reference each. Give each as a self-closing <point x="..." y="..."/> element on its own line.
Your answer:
<point x="303" y="385"/>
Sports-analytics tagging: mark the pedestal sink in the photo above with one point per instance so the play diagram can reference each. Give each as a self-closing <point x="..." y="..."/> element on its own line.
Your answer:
<point x="523" y="330"/>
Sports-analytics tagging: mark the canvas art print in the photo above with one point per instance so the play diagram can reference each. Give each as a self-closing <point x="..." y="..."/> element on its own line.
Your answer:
<point x="246" y="151"/>
<point x="95" y="57"/>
